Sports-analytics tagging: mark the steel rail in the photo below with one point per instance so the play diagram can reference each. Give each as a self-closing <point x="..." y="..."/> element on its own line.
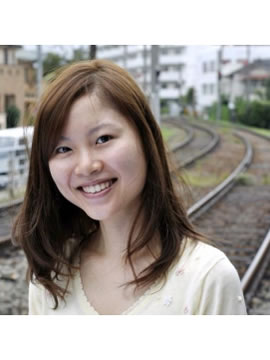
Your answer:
<point x="211" y="145"/>
<point x="263" y="251"/>
<point x="256" y="262"/>
<point x="190" y="135"/>
<point x="227" y="183"/>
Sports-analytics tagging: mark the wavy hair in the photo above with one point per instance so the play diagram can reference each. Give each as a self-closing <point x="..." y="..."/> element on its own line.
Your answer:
<point x="47" y="221"/>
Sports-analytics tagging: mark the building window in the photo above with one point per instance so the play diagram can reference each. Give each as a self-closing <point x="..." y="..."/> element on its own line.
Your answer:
<point x="204" y="67"/>
<point x="164" y="51"/>
<point x="212" y="88"/>
<point x="212" y="66"/>
<point x="204" y="89"/>
<point x="5" y="56"/>
<point x="9" y="101"/>
<point x="178" y="50"/>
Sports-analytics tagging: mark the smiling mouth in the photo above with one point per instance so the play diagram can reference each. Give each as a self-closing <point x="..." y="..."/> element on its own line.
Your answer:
<point x="95" y="189"/>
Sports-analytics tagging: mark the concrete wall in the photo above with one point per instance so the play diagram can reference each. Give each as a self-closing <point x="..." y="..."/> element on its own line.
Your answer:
<point x="2" y="121"/>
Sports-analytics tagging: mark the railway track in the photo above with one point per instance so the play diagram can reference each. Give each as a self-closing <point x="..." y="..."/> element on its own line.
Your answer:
<point x="239" y="222"/>
<point x="249" y="250"/>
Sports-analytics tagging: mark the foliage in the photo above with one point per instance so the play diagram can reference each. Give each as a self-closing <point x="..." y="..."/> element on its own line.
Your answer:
<point x="78" y="55"/>
<point x="255" y="113"/>
<point x="246" y="179"/>
<point x="225" y="112"/>
<point x="189" y="99"/>
<point x="267" y="89"/>
<point x="51" y="62"/>
<point x="164" y="109"/>
<point x="13" y="116"/>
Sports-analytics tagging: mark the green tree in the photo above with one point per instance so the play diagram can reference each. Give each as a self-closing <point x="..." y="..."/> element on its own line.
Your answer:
<point x="13" y="116"/>
<point x="189" y="100"/>
<point x="51" y="62"/>
<point x="267" y="89"/>
<point x="191" y="97"/>
<point x="78" y="55"/>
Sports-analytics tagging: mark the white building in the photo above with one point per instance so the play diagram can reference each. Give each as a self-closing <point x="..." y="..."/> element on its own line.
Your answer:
<point x="137" y="60"/>
<point x="183" y="67"/>
<point x="205" y="69"/>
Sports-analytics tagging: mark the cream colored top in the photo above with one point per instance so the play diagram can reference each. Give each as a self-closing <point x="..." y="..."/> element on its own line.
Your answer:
<point x="202" y="282"/>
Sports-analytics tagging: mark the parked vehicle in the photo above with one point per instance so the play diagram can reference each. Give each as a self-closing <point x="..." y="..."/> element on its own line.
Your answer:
<point x="15" y="143"/>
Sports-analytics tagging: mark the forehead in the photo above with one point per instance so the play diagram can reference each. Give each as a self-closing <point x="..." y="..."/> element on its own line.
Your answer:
<point x="91" y="111"/>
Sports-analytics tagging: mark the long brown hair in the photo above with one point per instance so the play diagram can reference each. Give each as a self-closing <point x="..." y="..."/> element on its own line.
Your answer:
<point x="47" y="220"/>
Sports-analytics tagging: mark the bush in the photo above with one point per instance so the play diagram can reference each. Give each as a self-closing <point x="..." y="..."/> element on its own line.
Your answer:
<point x="256" y="113"/>
<point x="13" y="116"/>
<point x="225" y="112"/>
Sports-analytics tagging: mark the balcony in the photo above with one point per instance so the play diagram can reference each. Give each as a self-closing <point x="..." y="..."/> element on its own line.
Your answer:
<point x="170" y="93"/>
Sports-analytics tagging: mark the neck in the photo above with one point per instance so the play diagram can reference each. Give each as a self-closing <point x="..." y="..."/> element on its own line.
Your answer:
<point x="111" y="241"/>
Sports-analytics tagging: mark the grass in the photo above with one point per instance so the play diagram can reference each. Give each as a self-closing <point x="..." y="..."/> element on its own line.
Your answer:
<point x="227" y="123"/>
<point x="261" y="131"/>
<point x="200" y="180"/>
<point x="266" y="179"/>
<point x="167" y="132"/>
<point x="245" y="179"/>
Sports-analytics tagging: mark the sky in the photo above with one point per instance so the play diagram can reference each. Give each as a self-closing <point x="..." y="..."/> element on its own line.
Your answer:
<point x="232" y="52"/>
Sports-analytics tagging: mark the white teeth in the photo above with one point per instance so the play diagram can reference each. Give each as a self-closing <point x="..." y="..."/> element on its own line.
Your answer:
<point x="96" y="188"/>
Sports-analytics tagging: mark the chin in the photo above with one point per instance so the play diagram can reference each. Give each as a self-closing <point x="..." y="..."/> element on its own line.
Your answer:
<point x="98" y="216"/>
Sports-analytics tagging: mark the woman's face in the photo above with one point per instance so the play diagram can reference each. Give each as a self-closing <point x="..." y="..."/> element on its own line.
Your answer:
<point x="98" y="163"/>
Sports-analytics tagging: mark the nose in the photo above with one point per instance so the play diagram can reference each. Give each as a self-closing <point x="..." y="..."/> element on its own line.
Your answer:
<point x="87" y="165"/>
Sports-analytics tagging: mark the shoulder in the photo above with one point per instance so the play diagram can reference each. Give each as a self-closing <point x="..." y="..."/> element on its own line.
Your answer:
<point x="200" y="255"/>
<point x="209" y="279"/>
<point x="203" y="261"/>
<point x="36" y="298"/>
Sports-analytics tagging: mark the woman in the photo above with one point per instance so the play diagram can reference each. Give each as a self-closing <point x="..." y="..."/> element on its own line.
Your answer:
<point x="102" y="227"/>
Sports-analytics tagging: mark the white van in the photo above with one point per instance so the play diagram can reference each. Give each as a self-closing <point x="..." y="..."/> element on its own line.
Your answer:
<point x="14" y="159"/>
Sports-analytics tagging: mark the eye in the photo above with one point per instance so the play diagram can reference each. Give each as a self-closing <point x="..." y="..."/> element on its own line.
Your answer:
<point x="103" y="139"/>
<point x="62" y="150"/>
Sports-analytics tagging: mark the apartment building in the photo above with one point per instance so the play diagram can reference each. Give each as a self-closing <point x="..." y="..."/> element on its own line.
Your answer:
<point x="17" y="81"/>
<point x="205" y="71"/>
<point x="28" y="60"/>
<point x="11" y="81"/>
<point x="137" y="60"/>
<point x="181" y="68"/>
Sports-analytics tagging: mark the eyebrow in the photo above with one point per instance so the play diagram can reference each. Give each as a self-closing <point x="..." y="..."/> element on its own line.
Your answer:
<point x="93" y="130"/>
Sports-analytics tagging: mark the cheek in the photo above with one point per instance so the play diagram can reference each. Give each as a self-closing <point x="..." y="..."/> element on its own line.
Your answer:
<point x="130" y="163"/>
<point x="58" y="173"/>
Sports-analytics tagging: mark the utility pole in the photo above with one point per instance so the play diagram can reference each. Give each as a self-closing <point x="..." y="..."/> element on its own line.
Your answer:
<point x="125" y="52"/>
<point x="248" y="72"/>
<point x="219" y="78"/>
<point x="39" y="71"/>
<point x="144" y="68"/>
<point x="154" y="82"/>
<point x="92" y="51"/>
